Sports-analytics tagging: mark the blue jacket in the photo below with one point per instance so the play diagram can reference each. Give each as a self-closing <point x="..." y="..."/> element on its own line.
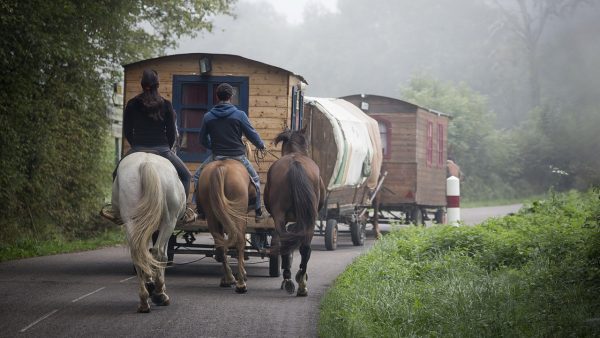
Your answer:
<point x="222" y="130"/>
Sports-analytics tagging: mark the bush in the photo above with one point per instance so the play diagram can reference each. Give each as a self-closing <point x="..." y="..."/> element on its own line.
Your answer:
<point x="532" y="274"/>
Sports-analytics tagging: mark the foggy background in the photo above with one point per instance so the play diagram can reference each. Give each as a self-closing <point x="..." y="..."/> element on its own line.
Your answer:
<point x="348" y="47"/>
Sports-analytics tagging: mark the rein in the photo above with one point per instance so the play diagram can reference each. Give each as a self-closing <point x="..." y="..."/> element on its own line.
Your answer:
<point x="259" y="155"/>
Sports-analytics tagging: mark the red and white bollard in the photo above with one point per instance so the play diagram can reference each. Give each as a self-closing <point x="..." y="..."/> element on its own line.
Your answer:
<point x="453" y="200"/>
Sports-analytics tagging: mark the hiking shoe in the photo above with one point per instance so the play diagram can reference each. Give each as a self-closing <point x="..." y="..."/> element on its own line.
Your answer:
<point x="108" y="213"/>
<point x="259" y="217"/>
<point x="188" y="217"/>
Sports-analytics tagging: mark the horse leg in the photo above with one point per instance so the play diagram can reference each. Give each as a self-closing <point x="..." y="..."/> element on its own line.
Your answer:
<point x="285" y="252"/>
<point x="286" y="265"/>
<point x="159" y="296"/>
<point x="227" y="280"/>
<point x="240" y="286"/>
<point x="302" y="275"/>
<point x="144" y="306"/>
<point x="221" y="256"/>
<point x="376" y="218"/>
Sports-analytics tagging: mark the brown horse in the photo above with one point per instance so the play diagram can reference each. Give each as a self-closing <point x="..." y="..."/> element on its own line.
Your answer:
<point x="294" y="192"/>
<point x="225" y="190"/>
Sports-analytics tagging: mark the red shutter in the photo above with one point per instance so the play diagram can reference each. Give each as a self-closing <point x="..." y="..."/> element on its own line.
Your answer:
<point x="440" y="145"/>
<point x="429" y="143"/>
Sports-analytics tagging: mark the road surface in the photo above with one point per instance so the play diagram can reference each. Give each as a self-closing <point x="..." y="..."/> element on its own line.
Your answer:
<point x="94" y="294"/>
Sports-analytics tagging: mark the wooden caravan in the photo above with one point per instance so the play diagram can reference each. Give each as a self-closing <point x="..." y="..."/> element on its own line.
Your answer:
<point x="414" y="146"/>
<point x="268" y="94"/>
<point x="345" y="144"/>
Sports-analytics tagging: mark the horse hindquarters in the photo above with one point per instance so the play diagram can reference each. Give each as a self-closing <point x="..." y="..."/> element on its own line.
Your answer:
<point x="143" y="205"/>
<point x="227" y="178"/>
<point x="303" y="200"/>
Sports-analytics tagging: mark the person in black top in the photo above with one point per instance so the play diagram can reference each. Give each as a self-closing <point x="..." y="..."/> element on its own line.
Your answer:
<point x="221" y="132"/>
<point x="149" y="126"/>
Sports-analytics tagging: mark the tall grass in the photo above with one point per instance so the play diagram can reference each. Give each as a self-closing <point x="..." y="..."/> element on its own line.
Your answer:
<point x="534" y="274"/>
<point x="55" y="242"/>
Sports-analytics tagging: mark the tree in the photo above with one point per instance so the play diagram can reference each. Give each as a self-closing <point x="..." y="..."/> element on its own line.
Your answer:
<point x="486" y="156"/>
<point x="528" y="21"/>
<point x="58" y="59"/>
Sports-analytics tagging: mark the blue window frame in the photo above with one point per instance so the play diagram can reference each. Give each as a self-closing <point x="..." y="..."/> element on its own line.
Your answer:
<point x="193" y="96"/>
<point x="297" y="108"/>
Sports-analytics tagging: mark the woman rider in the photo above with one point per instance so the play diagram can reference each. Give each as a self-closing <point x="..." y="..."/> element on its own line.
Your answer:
<point x="149" y="126"/>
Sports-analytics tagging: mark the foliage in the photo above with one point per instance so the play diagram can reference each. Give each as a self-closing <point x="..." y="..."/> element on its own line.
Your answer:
<point x="486" y="155"/>
<point x="56" y="243"/>
<point x="536" y="273"/>
<point x="559" y="146"/>
<point x="58" y="59"/>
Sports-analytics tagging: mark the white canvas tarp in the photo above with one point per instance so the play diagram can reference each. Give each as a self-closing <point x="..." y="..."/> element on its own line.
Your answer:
<point x="356" y="137"/>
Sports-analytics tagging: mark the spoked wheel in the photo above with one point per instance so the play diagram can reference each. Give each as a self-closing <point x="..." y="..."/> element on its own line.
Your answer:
<point x="439" y="216"/>
<point x="358" y="231"/>
<point x="274" y="263"/>
<point x="417" y="216"/>
<point x="331" y="233"/>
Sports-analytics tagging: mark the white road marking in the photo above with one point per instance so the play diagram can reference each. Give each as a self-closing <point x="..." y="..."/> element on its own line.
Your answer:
<point x="39" y="320"/>
<point x="126" y="279"/>
<point x="89" y="294"/>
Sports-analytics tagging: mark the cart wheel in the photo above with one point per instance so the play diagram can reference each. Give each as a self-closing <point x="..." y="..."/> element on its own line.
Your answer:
<point x="439" y="216"/>
<point x="171" y="249"/>
<point x="274" y="265"/>
<point x="358" y="231"/>
<point x="417" y="216"/>
<point x="331" y="232"/>
<point x="274" y="261"/>
<point x="258" y="241"/>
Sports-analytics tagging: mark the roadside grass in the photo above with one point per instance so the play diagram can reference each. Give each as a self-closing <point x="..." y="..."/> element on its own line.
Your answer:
<point x="533" y="274"/>
<point x="56" y="242"/>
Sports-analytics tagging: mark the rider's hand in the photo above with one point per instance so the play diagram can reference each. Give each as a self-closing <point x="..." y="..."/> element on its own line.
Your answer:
<point x="263" y="151"/>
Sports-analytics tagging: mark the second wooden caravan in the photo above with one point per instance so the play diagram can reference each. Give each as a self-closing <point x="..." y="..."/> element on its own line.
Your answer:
<point x="345" y="144"/>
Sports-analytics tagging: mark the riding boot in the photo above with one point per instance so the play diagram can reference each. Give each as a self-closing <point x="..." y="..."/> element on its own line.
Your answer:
<point x="108" y="213"/>
<point x="189" y="216"/>
<point x="259" y="216"/>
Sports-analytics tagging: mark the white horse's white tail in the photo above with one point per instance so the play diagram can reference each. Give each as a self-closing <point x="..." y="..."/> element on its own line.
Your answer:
<point x="147" y="218"/>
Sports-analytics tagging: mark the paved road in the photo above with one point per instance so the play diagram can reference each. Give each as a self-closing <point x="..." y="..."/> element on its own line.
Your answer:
<point x="94" y="294"/>
<point x="472" y="216"/>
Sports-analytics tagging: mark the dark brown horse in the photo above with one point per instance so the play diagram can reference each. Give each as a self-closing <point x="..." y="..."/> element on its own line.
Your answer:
<point x="294" y="192"/>
<point x="225" y="189"/>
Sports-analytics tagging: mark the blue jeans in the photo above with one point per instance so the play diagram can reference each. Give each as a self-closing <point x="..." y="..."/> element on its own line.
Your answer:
<point x="242" y="158"/>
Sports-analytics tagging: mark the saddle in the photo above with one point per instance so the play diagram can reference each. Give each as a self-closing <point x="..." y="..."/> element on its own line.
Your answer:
<point x="131" y="151"/>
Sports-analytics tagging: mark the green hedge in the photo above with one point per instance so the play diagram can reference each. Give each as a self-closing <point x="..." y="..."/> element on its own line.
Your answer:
<point x="536" y="273"/>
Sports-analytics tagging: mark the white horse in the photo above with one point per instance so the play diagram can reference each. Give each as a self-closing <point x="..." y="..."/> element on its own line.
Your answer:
<point x="149" y="196"/>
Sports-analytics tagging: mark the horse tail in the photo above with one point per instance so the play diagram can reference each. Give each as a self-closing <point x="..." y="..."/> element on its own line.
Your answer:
<point x="304" y="201"/>
<point x="146" y="218"/>
<point x="224" y="209"/>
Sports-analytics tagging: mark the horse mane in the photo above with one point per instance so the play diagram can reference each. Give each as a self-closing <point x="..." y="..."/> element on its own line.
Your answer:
<point x="284" y="136"/>
<point x="293" y="141"/>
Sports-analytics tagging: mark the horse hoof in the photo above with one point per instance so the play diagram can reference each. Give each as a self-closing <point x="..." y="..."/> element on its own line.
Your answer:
<point x="302" y="292"/>
<point x="240" y="290"/>
<point x="225" y="283"/>
<point x="299" y="277"/>
<point x="161" y="299"/>
<point x="289" y="286"/>
<point x="143" y="309"/>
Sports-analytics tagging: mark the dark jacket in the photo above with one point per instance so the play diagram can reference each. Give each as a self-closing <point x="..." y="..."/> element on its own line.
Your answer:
<point x="143" y="130"/>
<point x="223" y="128"/>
